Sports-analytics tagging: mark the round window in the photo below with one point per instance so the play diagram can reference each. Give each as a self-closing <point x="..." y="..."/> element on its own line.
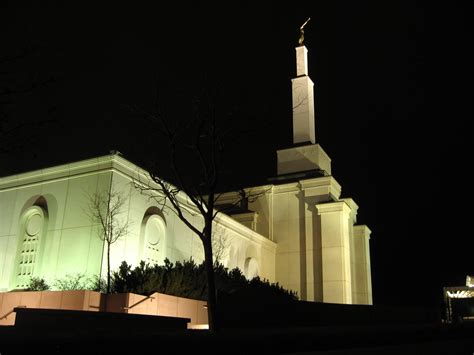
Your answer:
<point x="153" y="231"/>
<point x="33" y="224"/>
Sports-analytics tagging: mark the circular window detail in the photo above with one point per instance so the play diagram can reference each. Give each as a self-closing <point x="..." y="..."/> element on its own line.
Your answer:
<point x="33" y="224"/>
<point x="154" y="240"/>
<point x="153" y="231"/>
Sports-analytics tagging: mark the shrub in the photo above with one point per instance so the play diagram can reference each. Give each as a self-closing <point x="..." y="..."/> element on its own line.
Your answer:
<point x="73" y="282"/>
<point x="187" y="279"/>
<point x="181" y="279"/>
<point x="37" y="284"/>
<point x="97" y="284"/>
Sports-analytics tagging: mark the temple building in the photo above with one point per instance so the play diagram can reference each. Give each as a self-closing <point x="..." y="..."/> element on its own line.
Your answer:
<point x="299" y="232"/>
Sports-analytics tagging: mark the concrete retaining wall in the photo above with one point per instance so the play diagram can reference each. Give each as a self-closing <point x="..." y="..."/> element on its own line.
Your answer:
<point x="156" y="304"/>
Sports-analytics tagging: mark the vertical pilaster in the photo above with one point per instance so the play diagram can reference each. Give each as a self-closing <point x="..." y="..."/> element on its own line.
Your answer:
<point x="309" y="253"/>
<point x="314" y="279"/>
<point x="361" y="265"/>
<point x="353" y="220"/>
<point x="335" y="251"/>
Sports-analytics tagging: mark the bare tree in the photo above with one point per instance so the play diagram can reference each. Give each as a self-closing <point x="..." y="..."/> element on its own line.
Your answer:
<point x="105" y="209"/>
<point x="201" y="195"/>
<point x="195" y="149"/>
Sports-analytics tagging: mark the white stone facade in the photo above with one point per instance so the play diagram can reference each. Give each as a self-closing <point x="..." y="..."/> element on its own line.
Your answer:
<point x="298" y="232"/>
<point x="45" y="230"/>
<point x="320" y="253"/>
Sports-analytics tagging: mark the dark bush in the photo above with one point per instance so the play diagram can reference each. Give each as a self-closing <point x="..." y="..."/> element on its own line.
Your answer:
<point x="37" y="284"/>
<point x="187" y="279"/>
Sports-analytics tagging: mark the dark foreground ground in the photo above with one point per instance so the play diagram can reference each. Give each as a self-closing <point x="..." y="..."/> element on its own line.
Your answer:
<point x="381" y="339"/>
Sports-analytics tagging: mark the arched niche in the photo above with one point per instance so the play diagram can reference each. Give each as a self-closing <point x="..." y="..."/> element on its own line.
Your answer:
<point x="251" y="268"/>
<point x="251" y="264"/>
<point x="153" y="237"/>
<point x="31" y="237"/>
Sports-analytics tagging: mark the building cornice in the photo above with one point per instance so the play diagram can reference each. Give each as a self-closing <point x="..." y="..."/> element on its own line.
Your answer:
<point x="137" y="175"/>
<point x="362" y="231"/>
<point x="331" y="207"/>
<point x="325" y="185"/>
<point x="354" y="208"/>
<point x="244" y="231"/>
<point x="80" y="168"/>
<point x="289" y="187"/>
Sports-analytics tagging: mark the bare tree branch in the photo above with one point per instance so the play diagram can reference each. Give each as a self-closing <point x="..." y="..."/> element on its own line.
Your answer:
<point x="104" y="209"/>
<point x="220" y="244"/>
<point x="195" y="151"/>
<point x="243" y="198"/>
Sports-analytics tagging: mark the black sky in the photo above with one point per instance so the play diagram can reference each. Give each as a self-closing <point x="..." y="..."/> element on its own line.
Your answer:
<point x="393" y="85"/>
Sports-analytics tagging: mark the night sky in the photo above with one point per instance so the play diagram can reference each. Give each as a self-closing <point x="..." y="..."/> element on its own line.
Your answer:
<point x="393" y="106"/>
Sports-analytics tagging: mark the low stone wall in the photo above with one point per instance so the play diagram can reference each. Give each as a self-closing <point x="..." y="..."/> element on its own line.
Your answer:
<point x="105" y="323"/>
<point x="71" y="300"/>
<point x="157" y="304"/>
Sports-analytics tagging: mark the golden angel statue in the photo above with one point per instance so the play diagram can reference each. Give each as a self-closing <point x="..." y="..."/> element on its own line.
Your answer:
<point x="301" y="39"/>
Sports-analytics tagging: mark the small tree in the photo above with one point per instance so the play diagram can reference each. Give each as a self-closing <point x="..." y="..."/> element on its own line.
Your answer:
<point x="104" y="209"/>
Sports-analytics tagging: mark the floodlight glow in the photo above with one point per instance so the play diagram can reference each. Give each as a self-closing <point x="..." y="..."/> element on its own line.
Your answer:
<point x="469" y="281"/>
<point x="460" y="294"/>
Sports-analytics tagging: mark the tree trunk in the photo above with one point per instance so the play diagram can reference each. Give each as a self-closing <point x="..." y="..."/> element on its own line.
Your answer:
<point x="211" y="285"/>
<point x="108" y="268"/>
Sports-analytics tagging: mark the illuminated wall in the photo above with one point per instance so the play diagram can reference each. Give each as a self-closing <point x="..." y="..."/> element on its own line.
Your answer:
<point x="321" y="253"/>
<point x="300" y="234"/>
<point x="67" y="241"/>
<point x="45" y="229"/>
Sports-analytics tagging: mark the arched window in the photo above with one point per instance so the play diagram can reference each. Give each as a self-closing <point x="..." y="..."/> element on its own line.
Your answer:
<point x="32" y="233"/>
<point x="153" y="239"/>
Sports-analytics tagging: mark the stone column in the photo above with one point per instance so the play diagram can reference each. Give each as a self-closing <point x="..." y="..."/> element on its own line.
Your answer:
<point x="361" y="265"/>
<point x="335" y="250"/>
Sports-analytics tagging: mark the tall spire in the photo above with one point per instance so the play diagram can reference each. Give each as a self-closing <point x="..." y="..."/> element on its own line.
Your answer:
<point x="306" y="156"/>
<point x="303" y="96"/>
